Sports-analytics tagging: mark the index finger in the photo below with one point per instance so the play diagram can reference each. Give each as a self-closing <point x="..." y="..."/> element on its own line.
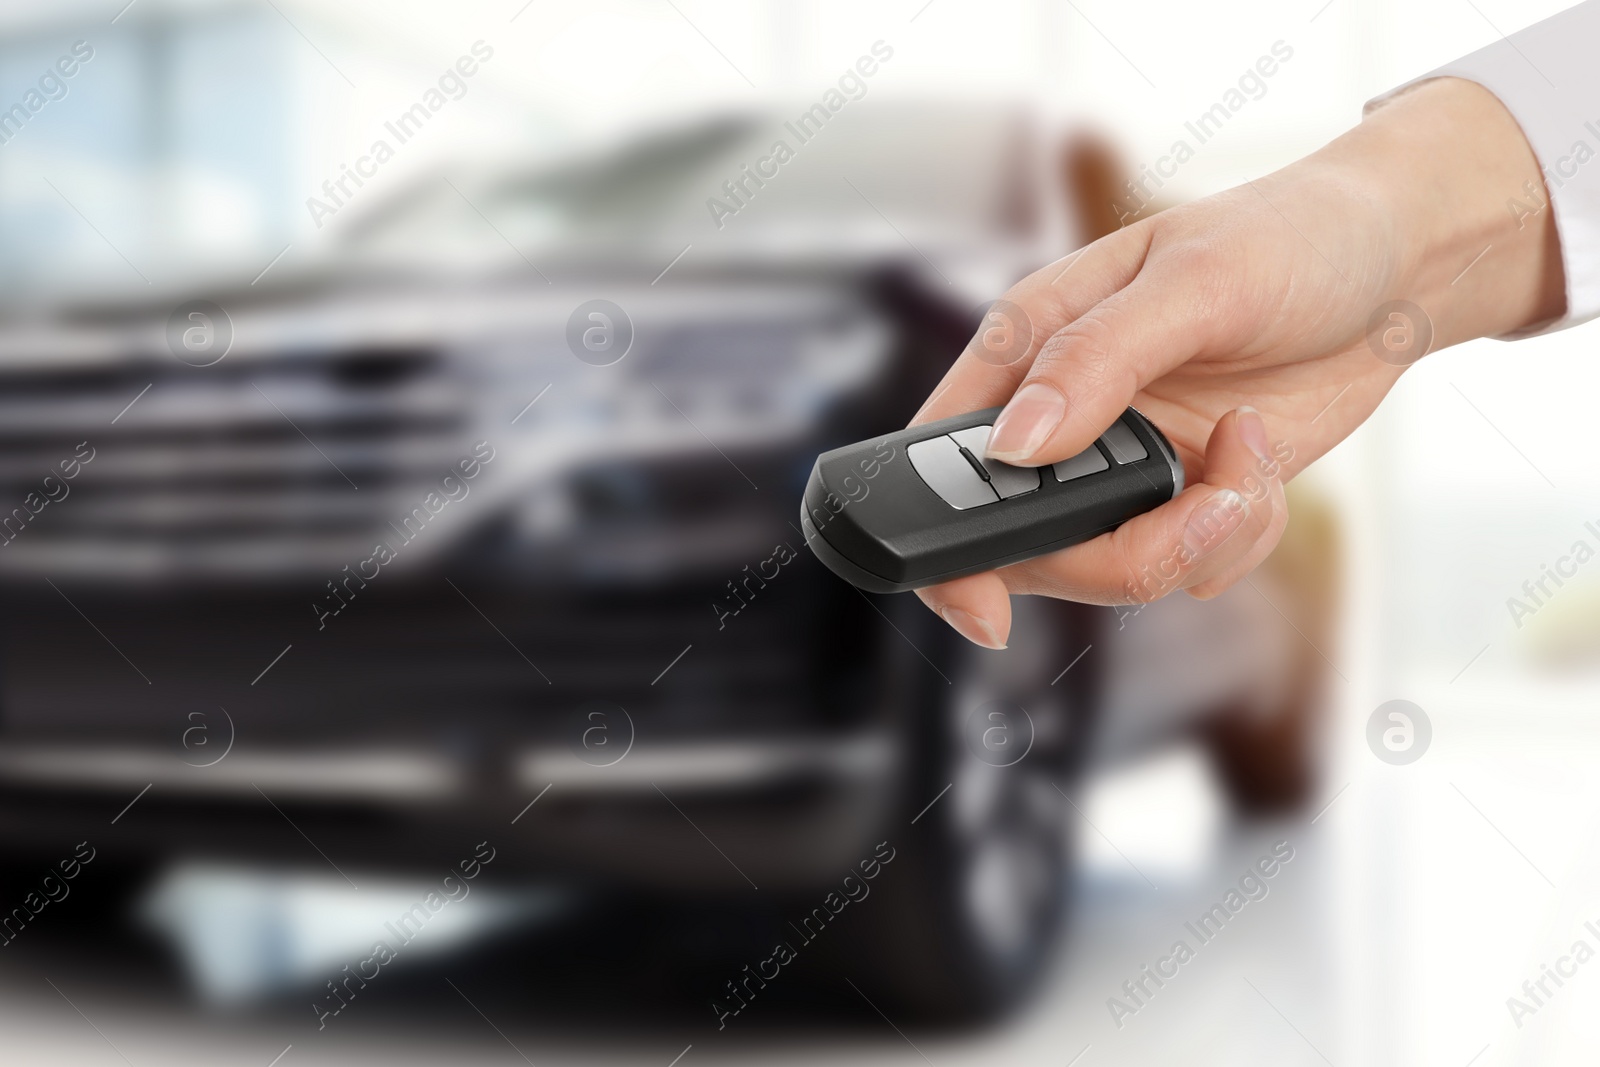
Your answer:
<point x="1017" y="326"/>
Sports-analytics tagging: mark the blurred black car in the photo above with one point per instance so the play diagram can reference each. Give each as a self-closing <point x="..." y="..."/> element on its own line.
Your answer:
<point x="606" y="649"/>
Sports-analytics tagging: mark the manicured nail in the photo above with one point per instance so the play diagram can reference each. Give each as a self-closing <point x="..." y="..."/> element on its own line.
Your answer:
<point x="1026" y="423"/>
<point x="978" y="631"/>
<point x="1253" y="431"/>
<point x="1213" y="522"/>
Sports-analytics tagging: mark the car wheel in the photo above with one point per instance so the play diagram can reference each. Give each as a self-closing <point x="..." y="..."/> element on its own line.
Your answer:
<point x="975" y="899"/>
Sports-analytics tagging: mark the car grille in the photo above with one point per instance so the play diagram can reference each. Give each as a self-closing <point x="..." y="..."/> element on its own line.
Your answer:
<point x="243" y="468"/>
<point x="417" y="662"/>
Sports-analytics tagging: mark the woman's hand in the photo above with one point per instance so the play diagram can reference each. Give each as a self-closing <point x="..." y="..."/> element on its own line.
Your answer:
<point x="1242" y="325"/>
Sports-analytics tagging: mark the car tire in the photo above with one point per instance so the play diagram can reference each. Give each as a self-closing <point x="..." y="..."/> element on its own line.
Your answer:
<point x="976" y="897"/>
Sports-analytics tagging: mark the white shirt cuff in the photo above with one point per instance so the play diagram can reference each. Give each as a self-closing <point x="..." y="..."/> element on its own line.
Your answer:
<point x="1546" y="78"/>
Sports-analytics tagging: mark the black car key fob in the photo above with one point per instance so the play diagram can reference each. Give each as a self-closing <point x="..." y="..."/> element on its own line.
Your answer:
<point x="923" y="505"/>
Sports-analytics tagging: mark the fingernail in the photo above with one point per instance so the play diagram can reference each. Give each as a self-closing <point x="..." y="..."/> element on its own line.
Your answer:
<point x="1026" y="423"/>
<point x="1213" y="522"/>
<point x="978" y="631"/>
<point x="1253" y="431"/>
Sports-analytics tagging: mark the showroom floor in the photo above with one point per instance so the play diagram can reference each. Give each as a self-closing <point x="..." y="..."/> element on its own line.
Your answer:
<point x="1144" y="876"/>
<point x="1414" y="905"/>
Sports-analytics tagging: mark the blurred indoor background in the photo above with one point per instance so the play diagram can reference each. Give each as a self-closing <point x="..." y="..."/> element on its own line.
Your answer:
<point x="557" y="350"/>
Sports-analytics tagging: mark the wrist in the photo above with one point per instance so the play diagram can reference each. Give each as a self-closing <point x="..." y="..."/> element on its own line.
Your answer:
<point x="1474" y="237"/>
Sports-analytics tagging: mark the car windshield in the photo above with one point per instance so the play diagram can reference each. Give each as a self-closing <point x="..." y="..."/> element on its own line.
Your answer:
<point x="619" y="201"/>
<point x="885" y="183"/>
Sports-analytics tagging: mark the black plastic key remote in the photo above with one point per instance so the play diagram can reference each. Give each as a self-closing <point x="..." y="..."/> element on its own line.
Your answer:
<point x="923" y="505"/>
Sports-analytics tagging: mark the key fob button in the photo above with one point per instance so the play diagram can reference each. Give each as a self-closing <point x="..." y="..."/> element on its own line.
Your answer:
<point x="1123" y="443"/>
<point x="1007" y="480"/>
<point x="939" y="462"/>
<point x="1089" y="461"/>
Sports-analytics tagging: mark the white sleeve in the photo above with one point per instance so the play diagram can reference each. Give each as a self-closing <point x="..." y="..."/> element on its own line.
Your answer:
<point x="1547" y="77"/>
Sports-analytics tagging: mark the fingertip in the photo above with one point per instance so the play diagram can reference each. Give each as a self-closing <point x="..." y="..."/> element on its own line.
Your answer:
<point x="1041" y="425"/>
<point x="1206" y="591"/>
<point x="1252" y="431"/>
<point x="977" y="607"/>
<point x="1028" y="420"/>
<point x="975" y="628"/>
<point x="1238" y="454"/>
